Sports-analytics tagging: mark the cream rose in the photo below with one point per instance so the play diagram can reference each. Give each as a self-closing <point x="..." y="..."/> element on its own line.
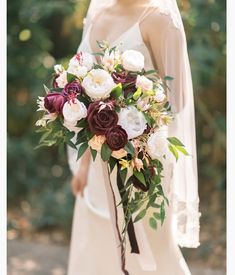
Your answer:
<point x="73" y="111"/>
<point x="96" y="142"/>
<point x="132" y="121"/>
<point x="119" y="153"/>
<point x="98" y="84"/>
<point x="144" y="83"/>
<point x="133" y="60"/>
<point x="157" y="144"/>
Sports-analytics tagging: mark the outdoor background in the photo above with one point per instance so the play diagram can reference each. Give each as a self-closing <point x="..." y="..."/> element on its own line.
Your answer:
<point x="40" y="203"/>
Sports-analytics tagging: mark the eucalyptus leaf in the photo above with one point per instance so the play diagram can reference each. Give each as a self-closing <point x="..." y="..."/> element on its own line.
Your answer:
<point x="153" y="223"/>
<point x="175" y="141"/>
<point x="140" y="176"/>
<point x="105" y="152"/>
<point x="82" y="149"/>
<point x="140" y="215"/>
<point x="174" y="151"/>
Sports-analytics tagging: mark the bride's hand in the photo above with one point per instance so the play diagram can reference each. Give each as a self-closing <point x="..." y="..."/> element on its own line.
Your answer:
<point x="79" y="182"/>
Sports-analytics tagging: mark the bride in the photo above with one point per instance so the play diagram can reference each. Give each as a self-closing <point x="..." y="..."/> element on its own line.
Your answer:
<point x="155" y="29"/>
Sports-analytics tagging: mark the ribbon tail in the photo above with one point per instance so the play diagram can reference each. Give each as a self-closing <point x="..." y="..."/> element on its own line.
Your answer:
<point x="114" y="218"/>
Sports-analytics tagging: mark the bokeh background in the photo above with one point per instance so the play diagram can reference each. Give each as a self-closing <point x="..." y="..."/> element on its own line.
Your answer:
<point x="40" y="203"/>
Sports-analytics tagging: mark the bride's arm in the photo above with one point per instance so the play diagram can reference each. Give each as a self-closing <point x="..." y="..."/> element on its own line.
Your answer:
<point x="79" y="179"/>
<point x="168" y="46"/>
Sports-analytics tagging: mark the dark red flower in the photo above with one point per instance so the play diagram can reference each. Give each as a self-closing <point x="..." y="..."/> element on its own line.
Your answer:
<point x="72" y="89"/>
<point x="101" y="117"/>
<point x="116" y="138"/>
<point x="127" y="80"/>
<point x="54" y="102"/>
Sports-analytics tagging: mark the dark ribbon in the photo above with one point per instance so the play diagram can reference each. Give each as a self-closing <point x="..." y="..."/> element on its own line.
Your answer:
<point x="130" y="227"/>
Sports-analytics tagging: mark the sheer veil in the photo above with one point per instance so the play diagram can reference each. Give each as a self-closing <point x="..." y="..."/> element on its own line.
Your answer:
<point x="173" y="58"/>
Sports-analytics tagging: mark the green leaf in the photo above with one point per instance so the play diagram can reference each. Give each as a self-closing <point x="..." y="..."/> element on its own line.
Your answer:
<point x="174" y="151"/>
<point x="105" y="152"/>
<point x="123" y="174"/>
<point x="149" y="119"/>
<point x="157" y="216"/>
<point x="168" y="77"/>
<point x="46" y="89"/>
<point x="137" y="94"/>
<point x="130" y="148"/>
<point x="182" y="150"/>
<point x="153" y="223"/>
<point x="71" y="144"/>
<point x="140" y="176"/>
<point x="112" y="163"/>
<point x="93" y="153"/>
<point x="82" y="150"/>
<point x="81" y="136"/>
<point x="140" y="215"/>
<point x="82" y="123"/>
<point x="117" y="91"/>
<point x="150" y="72"/>
<point x="175" y="141"/>
<point x="70" y="77"/>
<point x="162" y="213"/>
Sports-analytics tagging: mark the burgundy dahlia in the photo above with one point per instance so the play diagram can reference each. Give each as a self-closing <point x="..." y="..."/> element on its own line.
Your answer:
<point x="116" y="138"/>
<point x="72" y="89"/>
<point x="54" y="102"/>
<point x="101" y="117"/>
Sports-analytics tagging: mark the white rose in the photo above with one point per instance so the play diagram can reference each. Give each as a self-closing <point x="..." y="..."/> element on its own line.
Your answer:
<point x="80" y="64"/>
<point x="157" y="144"/>
<point x="73" y="111"/>
<point x="109" y="60"/>
<point x="133" y="60"/>
<point x="61" y="80"/>
<point x="132" y="121"/>
<point x="98" y="84"/>
<point x="144" y="83"/>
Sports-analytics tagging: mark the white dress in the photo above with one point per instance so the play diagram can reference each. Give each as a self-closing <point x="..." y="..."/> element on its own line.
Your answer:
<point x="93" y="246"/>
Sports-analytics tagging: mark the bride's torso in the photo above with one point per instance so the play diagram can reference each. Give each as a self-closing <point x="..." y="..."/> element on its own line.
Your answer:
<point x="131" y="38"/>
<point x="126" y="32"/>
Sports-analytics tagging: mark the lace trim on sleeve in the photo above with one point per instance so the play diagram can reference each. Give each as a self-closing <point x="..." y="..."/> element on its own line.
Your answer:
<point x="186" y="222"/>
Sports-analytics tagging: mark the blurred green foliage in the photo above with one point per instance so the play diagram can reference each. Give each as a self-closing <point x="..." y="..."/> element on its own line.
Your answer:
<point x="41" y="33"/>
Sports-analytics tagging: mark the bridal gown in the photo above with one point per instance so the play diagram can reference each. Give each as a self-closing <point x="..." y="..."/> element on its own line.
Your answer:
<point x="93" y="246"/>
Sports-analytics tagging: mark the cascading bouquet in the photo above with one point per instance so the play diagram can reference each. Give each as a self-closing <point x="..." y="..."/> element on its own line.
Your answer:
<point x="118" y="109"/>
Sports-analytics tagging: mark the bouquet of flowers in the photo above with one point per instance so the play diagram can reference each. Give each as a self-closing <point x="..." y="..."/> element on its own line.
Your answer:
<point x="118" y="109"/>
